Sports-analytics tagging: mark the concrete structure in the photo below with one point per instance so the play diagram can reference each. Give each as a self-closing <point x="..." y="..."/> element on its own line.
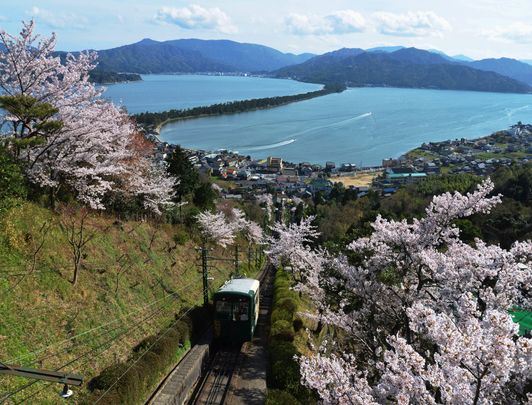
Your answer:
<point x="180" y="383"/>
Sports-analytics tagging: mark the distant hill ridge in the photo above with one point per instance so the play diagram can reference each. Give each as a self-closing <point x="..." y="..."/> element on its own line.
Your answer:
<point x="195" y="55"/>
<point x="380" y="66"/>
<point x="408" y="67"/>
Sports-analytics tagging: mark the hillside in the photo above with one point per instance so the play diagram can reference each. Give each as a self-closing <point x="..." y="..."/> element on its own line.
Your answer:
<point x="505" y="66"/>
<point x="408" y="67"/>
<point x="243" y="57"/>
<point x="194" y="55"/>
<point x="149" y="56"/>
<point x="106" y="77"/>
<point x="135" y="276"/>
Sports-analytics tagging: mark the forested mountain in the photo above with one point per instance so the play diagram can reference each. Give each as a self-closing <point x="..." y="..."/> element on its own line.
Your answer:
<point x="408" y="67"/>
<point x="194" y="55"/>
<point x="505" y="66"/>
<point x="241" y="56"/>
<point x="106" y="77"/>
<point x="149" y="56"/>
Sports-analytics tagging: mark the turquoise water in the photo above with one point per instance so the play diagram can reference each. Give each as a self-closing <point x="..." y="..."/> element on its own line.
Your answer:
<point x="164" y="92"/>
<point x="362" y="126"/>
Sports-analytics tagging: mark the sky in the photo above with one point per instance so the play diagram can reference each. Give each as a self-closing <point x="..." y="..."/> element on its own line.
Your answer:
<point x="476" y="28"/>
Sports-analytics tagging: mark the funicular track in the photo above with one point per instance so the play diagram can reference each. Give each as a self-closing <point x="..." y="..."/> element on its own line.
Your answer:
<point x="213" y="387"/>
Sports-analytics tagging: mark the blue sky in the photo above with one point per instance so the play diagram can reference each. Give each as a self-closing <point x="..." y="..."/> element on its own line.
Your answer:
<point x="478" y="28"/>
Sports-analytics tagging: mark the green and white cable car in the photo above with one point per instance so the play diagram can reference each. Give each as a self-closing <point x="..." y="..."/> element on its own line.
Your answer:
<point x="236" y="310"/>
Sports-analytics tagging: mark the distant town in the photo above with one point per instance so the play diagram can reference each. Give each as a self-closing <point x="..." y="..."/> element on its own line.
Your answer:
<point x="242" y="177"/>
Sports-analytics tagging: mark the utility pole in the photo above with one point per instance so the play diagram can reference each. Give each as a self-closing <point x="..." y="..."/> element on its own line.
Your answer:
<point x="237" y="271"/>
<point x="44" y="375"/>
<point x="249" y="258"/>
<point x="205" y="271"/>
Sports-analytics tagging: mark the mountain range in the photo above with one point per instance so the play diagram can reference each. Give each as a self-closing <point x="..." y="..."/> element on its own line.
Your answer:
<point x="410" y="67"/>
<point x="194" y="55"/>
<point x="380" y="66"/>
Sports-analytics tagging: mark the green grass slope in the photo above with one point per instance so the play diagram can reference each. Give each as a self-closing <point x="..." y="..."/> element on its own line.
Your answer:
<point x="135" y="278"/>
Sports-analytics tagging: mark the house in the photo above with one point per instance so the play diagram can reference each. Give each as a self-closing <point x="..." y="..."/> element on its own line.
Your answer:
<point x="348" y="167"/>
<point x="390" y="162"/>
<point x="405" y="178"/>
<point x="274" y="163"/>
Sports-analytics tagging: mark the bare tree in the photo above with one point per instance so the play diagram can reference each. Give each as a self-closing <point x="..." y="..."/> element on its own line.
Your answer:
<point x="35" y="242"/>
<point x="123" y="263"/>
<point x="75" y="227"/>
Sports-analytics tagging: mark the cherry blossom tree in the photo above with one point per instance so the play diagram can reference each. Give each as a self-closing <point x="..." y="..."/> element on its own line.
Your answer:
<point x="267" y="200"/>
<point x="216" y="228"/>
<point x="88" y="151"/>
<point x="290" y="245"/>
<point x="426" y="316"/>
<point x="223" y="229"/>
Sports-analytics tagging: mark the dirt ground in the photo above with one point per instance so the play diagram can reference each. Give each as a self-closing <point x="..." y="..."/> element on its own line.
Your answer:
<point x="358" y="180"/>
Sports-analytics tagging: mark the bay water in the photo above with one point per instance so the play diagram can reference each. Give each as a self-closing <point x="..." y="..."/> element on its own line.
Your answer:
<point x="361" y="125"/>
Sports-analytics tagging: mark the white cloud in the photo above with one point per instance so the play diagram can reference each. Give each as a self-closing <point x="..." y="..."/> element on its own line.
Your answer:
<point x="518" y="32"/>
<point x="339" y="22"/>
<point x="2" y="18"/>
<point x="58" y="20"/>
<point x="196" y="17"/>
<point x="411" y="24"/>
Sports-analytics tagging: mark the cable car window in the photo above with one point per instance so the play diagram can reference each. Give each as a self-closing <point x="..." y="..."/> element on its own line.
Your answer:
<point x="223" y="307"/>
<point x="241" y="311"/>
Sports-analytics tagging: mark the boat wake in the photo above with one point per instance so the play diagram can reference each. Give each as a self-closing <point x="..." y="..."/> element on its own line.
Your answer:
<point x="334" y="124"/>
<point x="271" y="146"/>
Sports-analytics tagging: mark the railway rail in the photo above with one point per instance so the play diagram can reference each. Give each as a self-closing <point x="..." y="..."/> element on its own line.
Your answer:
<point x="214" y="385"/>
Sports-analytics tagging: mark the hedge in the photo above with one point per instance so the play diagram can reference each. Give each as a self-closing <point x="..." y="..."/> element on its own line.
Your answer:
<point x="278" y="397"/>
<point x="283" y="375"/>
<point x="164" y="348"/>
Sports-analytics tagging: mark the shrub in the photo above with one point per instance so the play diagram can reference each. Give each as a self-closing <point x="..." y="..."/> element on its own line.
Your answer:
<point x="282" y="330"/>
<point x="158" y="352"/>
<point x="297" y="324"/>
<point x="181" y="237"/>
<point x="278" y="397"/>
<point x="182" y="331"/>
<point x="280" y="350"/>
<point x="281" y="314"/>
<point x="289" y="304"/>
<point x="285" y="375"/>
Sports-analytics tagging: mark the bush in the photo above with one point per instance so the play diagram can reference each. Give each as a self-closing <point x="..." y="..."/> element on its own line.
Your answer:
<point x="297" y="324"/>
<point x="285" y="375"/>
<point x="280" y="350"/>
<point x="181" y="237"/>
<point x="12" y="181"/>
<point x="282" y="330"/>
<point x="289" y="304"/>
<point x="278" y="397"/>
<point x="281" y="314"/>
<point x="182" y="331"/>
<point x="139" y="380"/>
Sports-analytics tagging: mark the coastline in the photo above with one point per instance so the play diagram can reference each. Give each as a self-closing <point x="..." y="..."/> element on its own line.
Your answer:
<point x="505" y="145"/>
<point x="158" y="128"/>
<point x="240" y="106"/>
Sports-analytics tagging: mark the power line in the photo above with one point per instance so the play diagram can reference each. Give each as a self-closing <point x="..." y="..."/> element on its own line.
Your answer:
<point x="100" y="326"/>
<point x="164" y="306"/>
<point x="138" y="324"/>
<point x="109" y="341"/>
<point x="142" y="355"/>
<point x="145" y="352"/>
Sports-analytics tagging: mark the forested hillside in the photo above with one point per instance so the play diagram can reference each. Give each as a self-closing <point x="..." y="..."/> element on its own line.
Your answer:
<point x="99" y="271"/>
<point x="408" y="67"/>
